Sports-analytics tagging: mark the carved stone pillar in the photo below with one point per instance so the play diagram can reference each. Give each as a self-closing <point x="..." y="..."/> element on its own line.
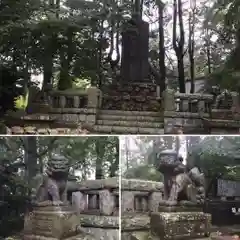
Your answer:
<point x="134" y="57"/>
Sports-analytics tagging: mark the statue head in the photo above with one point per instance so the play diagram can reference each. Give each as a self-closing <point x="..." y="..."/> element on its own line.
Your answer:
<point x="58" y="167"/>
<point x="167" y="161"/>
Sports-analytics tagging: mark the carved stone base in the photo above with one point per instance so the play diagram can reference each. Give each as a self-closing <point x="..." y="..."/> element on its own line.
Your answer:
<point x="52" y="223"/>
<point x="180" y="225"/>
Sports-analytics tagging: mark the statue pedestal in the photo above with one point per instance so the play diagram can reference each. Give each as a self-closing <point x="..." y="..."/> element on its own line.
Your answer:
<point x="52" y="223"/>
<point x="180" y="225"/>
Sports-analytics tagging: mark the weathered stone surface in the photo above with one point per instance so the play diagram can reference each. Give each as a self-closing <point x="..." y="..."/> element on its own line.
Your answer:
<point x="106" y="202"/>
<point x="70" y="118"/>
<point x="154" y="200"/>
<point x="135" y="222"/>
<point x="169" y="100"/>
<point x="180" y="225"/>
<point x="141" y="185"/>
<point x="132" y="97"/>
<point x="130" y="113"/>
<point x="51" y="222"/>
<point x="94" y="97"/>
<point x="99" y="221"/>
<point x="138" y="235"/>
<point x="91" y="119"/>
<point x="140" y="124"/>
<point x="127" y="201"/>
<point x="100" y="184"/>
<point x="79" y="201"/>
<point x="103" y="234"/>
<point x="46" y="131"/>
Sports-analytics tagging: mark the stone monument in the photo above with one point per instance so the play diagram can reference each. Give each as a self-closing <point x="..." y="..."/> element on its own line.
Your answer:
<point x="134" y="58"/>
<point x="52" y="218"/>
<point x="180" y="213"/>
<point x="135" y="90"/>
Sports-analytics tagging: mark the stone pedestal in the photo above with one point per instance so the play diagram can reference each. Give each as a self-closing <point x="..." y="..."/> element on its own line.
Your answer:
<point x="52" y="223"/>
<point x="180" y="225"/>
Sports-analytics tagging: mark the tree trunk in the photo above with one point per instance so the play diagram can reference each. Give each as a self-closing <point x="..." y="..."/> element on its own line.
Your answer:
<point x="191" y="48"/>
<point x="30" y="157"/>
<point x="48" y="63"/>
<point x="65" y="81"/>
<point x="115" y="166"/>
<point x="208" y="50"/>
<point x="178" y="45"/>
<point x="99" y="152"/>
<point x="162" y="67"/>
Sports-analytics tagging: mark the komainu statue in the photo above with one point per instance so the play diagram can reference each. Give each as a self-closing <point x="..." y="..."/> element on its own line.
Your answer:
<point x="52" y="187"/>
<point x="181" y="185"/>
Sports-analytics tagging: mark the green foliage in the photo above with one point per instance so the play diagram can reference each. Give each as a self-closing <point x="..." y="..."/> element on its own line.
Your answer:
<point x="144" y="172"/>
<point x="139" y="155"/>
<point x="217" y="155"/>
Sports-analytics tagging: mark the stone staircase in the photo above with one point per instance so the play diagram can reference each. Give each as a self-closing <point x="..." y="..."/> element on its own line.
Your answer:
<point x="128" y="122"/>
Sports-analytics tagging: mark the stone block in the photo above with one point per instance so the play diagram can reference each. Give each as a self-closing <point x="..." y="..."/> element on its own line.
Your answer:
<point x="91" y="118"/>
<point x="133" y="221"/>
<point x="154" y="200"/>
<point x="79" y="201"/>
<point x="51" y="222"/>
<point x="82" y="117"/>
<point x="17" y="130"/>
<point x="94" y="97"/>
<point x="106" y="202"/>
<point x="180" y="225"/>
<point x="141" y="185"/>
<point x="136" y="235"/>
<point x="127" y="201"/>
<point x="42" y="131"/>
<point x="169" y="100"/>
<point x="70" y="117"/>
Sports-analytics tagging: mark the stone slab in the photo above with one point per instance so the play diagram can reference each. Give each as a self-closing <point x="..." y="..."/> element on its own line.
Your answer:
<point x="102" y="234"/>
<point x="99" y="184"/>
<point x="141" y="185"/>
<point x="99" y="221"/>
<point x="134" y="222"/>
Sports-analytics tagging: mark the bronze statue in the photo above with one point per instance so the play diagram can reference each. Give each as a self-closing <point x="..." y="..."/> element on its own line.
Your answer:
<point x="181" y="185"/>
<point x="52" y="187"/>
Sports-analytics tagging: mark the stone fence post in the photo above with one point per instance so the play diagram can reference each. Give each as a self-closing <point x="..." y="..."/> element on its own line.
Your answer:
<point x="94" y="96"/>
<point x="169" y="100"/>
<point x="169" y="109"/>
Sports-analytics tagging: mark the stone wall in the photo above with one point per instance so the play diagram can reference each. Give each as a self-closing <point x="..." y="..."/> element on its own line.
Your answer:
<point x="75" y="106"/>
<point x="132" y="97"/>
<point x="70" y="112"/>
<point x="196" y="113"/>
<point x="139" y="198"/>
<point x="97" y="202"/>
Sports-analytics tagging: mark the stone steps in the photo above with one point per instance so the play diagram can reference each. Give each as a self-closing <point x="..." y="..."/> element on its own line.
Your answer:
<point x="128" y="122"/>
<point x="105" y="129"/>
<point x="140" y="124"/>
<point x="129" y="113"/>
<point x="129" y="118"/>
